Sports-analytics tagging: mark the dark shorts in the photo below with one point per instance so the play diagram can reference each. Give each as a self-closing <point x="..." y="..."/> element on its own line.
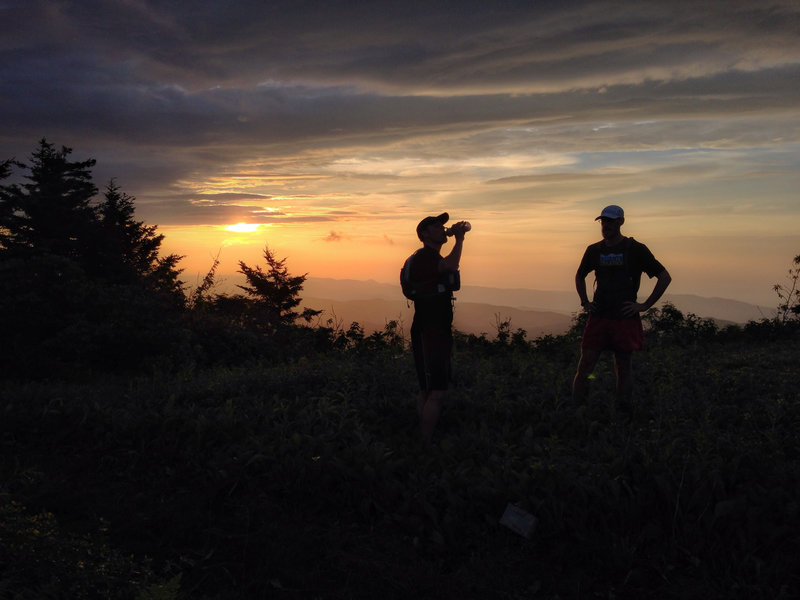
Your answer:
<point x="432" y="349"/>
<point x="618" y="335"/>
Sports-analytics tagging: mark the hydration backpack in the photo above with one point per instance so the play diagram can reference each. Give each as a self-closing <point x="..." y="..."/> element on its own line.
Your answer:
<point x="449" y="281"/>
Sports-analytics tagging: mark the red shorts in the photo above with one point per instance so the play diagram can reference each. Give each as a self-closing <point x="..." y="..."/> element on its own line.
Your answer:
<point x="619" y="335"/>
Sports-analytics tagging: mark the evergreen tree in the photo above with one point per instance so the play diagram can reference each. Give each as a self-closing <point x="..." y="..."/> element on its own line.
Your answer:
<point x="274" y="293"/>
<point x="51" y="213"/>
<point x="83" y="286"/>
<point x="132" y="248"/>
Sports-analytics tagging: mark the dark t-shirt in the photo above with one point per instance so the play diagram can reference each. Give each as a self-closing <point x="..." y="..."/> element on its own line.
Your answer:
<point x="618" y="272"/>
<point x="435" y="311"/>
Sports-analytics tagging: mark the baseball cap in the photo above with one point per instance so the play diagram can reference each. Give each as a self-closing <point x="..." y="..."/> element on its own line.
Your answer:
<point x="612" y="211"/>
<point x="442" y="218"/>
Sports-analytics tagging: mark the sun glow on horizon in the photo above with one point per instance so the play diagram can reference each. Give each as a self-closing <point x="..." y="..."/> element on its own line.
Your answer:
<point x="243" y="227"/>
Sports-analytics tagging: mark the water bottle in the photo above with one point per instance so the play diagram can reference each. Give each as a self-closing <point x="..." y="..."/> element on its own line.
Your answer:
<point x="449" y="231"/>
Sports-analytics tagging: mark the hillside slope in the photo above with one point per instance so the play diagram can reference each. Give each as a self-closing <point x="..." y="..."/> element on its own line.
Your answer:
<point x="469" y="317"/>
<point x="539" y="312"/>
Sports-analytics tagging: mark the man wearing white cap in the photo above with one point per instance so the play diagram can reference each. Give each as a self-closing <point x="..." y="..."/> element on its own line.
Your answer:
<point x="614" y="322"/>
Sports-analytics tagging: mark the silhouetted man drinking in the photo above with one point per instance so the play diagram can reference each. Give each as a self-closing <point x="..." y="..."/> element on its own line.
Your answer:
<point x="430" y="279"/>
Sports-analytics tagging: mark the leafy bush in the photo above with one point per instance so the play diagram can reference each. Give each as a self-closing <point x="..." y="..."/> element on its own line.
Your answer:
<point x="789" y="294"/>
<point x="668" y="324"/>
<point x="307" y="478"/>
<point x="38" y="559"/>
<point x="58" y="323"/>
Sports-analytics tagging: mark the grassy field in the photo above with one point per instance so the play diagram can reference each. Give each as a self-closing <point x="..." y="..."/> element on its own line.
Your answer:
<point x="307" y="479"/>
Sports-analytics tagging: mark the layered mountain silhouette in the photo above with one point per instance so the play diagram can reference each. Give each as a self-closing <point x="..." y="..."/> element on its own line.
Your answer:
<point x="478" y="310"/>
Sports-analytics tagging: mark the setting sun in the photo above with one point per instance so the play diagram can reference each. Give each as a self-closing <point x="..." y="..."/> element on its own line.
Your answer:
<point x="242" y="227"/>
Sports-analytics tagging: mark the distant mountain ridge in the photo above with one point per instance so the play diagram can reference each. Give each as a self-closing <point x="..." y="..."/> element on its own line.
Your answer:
<point x="372" y="304"/>
<point x="469" y="317"/>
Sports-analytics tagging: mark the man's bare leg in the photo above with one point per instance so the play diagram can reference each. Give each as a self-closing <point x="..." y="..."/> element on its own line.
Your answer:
<point x="623" y="365"/>
<point x="586" y="365"/>
<point x="422" y="398"/>
<point x="431" y="410"/>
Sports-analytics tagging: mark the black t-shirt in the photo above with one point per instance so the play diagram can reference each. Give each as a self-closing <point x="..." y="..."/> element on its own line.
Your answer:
<point x="618" y="273"/>
<point x="436" y="310"/>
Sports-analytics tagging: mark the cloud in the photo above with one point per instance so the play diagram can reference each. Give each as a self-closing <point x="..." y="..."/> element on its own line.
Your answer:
<point x="199" y="210"/>
<point x="418" y="47"/>
<point x="334" y="236"/>
<point x="293" y="112"/>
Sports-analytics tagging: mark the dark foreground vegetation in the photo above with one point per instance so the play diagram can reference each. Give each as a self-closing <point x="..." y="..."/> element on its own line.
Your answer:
<point x="306" y="479"/>
<point x="165" y="443"/>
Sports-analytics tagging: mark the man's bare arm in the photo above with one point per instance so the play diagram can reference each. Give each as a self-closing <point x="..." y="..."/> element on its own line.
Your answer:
<point x="452" y="260"/>
<point x="663" y="280"/>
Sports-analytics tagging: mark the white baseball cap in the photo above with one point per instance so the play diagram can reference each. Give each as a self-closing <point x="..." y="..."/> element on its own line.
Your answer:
<point x="611" y="211"/>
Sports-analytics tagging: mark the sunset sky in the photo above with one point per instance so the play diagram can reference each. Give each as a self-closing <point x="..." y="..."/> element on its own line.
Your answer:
<point x="329" y="129"/>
